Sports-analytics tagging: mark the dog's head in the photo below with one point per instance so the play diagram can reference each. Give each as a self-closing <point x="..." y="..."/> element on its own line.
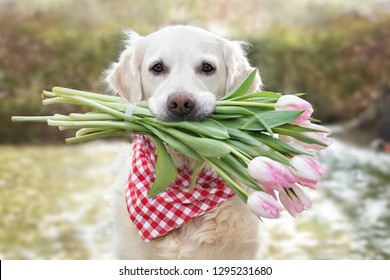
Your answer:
<point x="180" y="70"/>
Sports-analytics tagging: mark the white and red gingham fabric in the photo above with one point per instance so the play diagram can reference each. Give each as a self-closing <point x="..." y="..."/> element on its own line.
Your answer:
<point x="175" y="206"/>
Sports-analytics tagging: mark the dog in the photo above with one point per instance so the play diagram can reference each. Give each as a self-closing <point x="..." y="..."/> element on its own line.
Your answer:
<point x="182" y="70"/>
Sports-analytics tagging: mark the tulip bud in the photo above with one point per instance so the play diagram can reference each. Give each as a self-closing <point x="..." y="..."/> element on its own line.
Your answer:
<point x="295" y="201"/>
<point x="307" y="170"/>
<point x="271" y="174"/>
<point x="263" y="205"/>
<point x="295" y="103"/>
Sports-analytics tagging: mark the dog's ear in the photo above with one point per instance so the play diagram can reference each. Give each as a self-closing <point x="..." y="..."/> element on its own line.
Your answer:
<point x="238" y="67"/>
<point x="124" y="77"/>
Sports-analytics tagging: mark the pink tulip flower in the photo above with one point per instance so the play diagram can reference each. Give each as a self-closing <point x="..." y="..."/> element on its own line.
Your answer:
<point x="271" y="174"/>
<point x="263" y="205"/>
<point x="295" y="202"/>
<point x="307" y="170"/>
<point x="295" y="103"/>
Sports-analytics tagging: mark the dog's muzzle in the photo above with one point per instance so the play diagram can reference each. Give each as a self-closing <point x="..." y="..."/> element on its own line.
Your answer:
<point x="183" y="106"/>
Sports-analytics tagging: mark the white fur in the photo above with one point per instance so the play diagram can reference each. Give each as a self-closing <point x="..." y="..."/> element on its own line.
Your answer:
<point x="226" y="232"/>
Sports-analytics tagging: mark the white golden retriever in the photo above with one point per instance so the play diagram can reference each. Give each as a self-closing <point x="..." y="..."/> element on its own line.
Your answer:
<point x="181" y="71"/>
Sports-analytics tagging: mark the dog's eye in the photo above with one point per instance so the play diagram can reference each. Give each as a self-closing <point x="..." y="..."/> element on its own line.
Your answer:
<point x="157" y="68"/>
<point x="207" y="68"/>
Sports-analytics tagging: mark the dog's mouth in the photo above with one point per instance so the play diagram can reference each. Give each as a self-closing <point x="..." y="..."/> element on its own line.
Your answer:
<point x="194" y="115"/>
<point x="182" y="106"/>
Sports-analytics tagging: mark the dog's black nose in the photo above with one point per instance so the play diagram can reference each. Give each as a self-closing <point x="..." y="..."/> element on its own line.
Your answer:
<point x="180" y="103"/>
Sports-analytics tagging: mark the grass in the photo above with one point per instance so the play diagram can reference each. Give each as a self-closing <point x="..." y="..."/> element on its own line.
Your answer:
<point x="53" y="201"/>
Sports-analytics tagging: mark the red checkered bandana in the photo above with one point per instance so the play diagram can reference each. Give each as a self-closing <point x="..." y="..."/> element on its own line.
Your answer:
<point x="175" y="206"/>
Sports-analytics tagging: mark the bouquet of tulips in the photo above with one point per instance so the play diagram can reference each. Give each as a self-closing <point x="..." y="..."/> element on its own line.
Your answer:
<point x="262" y="140"/>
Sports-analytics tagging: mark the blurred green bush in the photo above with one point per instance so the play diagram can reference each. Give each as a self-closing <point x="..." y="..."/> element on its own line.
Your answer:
<point x="40" y="51"/>
<point x="340" y="64"/>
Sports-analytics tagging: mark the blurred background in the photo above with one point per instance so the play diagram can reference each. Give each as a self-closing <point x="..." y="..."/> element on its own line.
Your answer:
<point x="54" y="200"/>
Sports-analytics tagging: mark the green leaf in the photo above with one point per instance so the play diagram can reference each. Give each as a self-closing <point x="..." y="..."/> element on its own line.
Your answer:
<point x="261" y="96"/>
<point x="266" y="151"/>
<point x="236" y="167"/>
<point x="233" y="110"/>
<point x="215" y="163"/>
<point x="166" y="171"/>
<point x="195" y="172"/>
<point x="243" y="137"/>
<point x="278" y="145"/>
<point x="257" y="146"/>
<point x="300" y="137"/>
<point x="235" y="123"/>
<point x="225" y="116"/>
<point x="243" y="148"/>
<point x="313" y="120"/>
<point x="204" y="146"/>
<point x="297" y="128"/>
<point x="173" y="142"/>
<point x="208" y="127"/>
<point x="208" y="147"/>
<point x="271" y="118"/>
<point x="243" y="87"/>
<point x="265" y="125"/>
